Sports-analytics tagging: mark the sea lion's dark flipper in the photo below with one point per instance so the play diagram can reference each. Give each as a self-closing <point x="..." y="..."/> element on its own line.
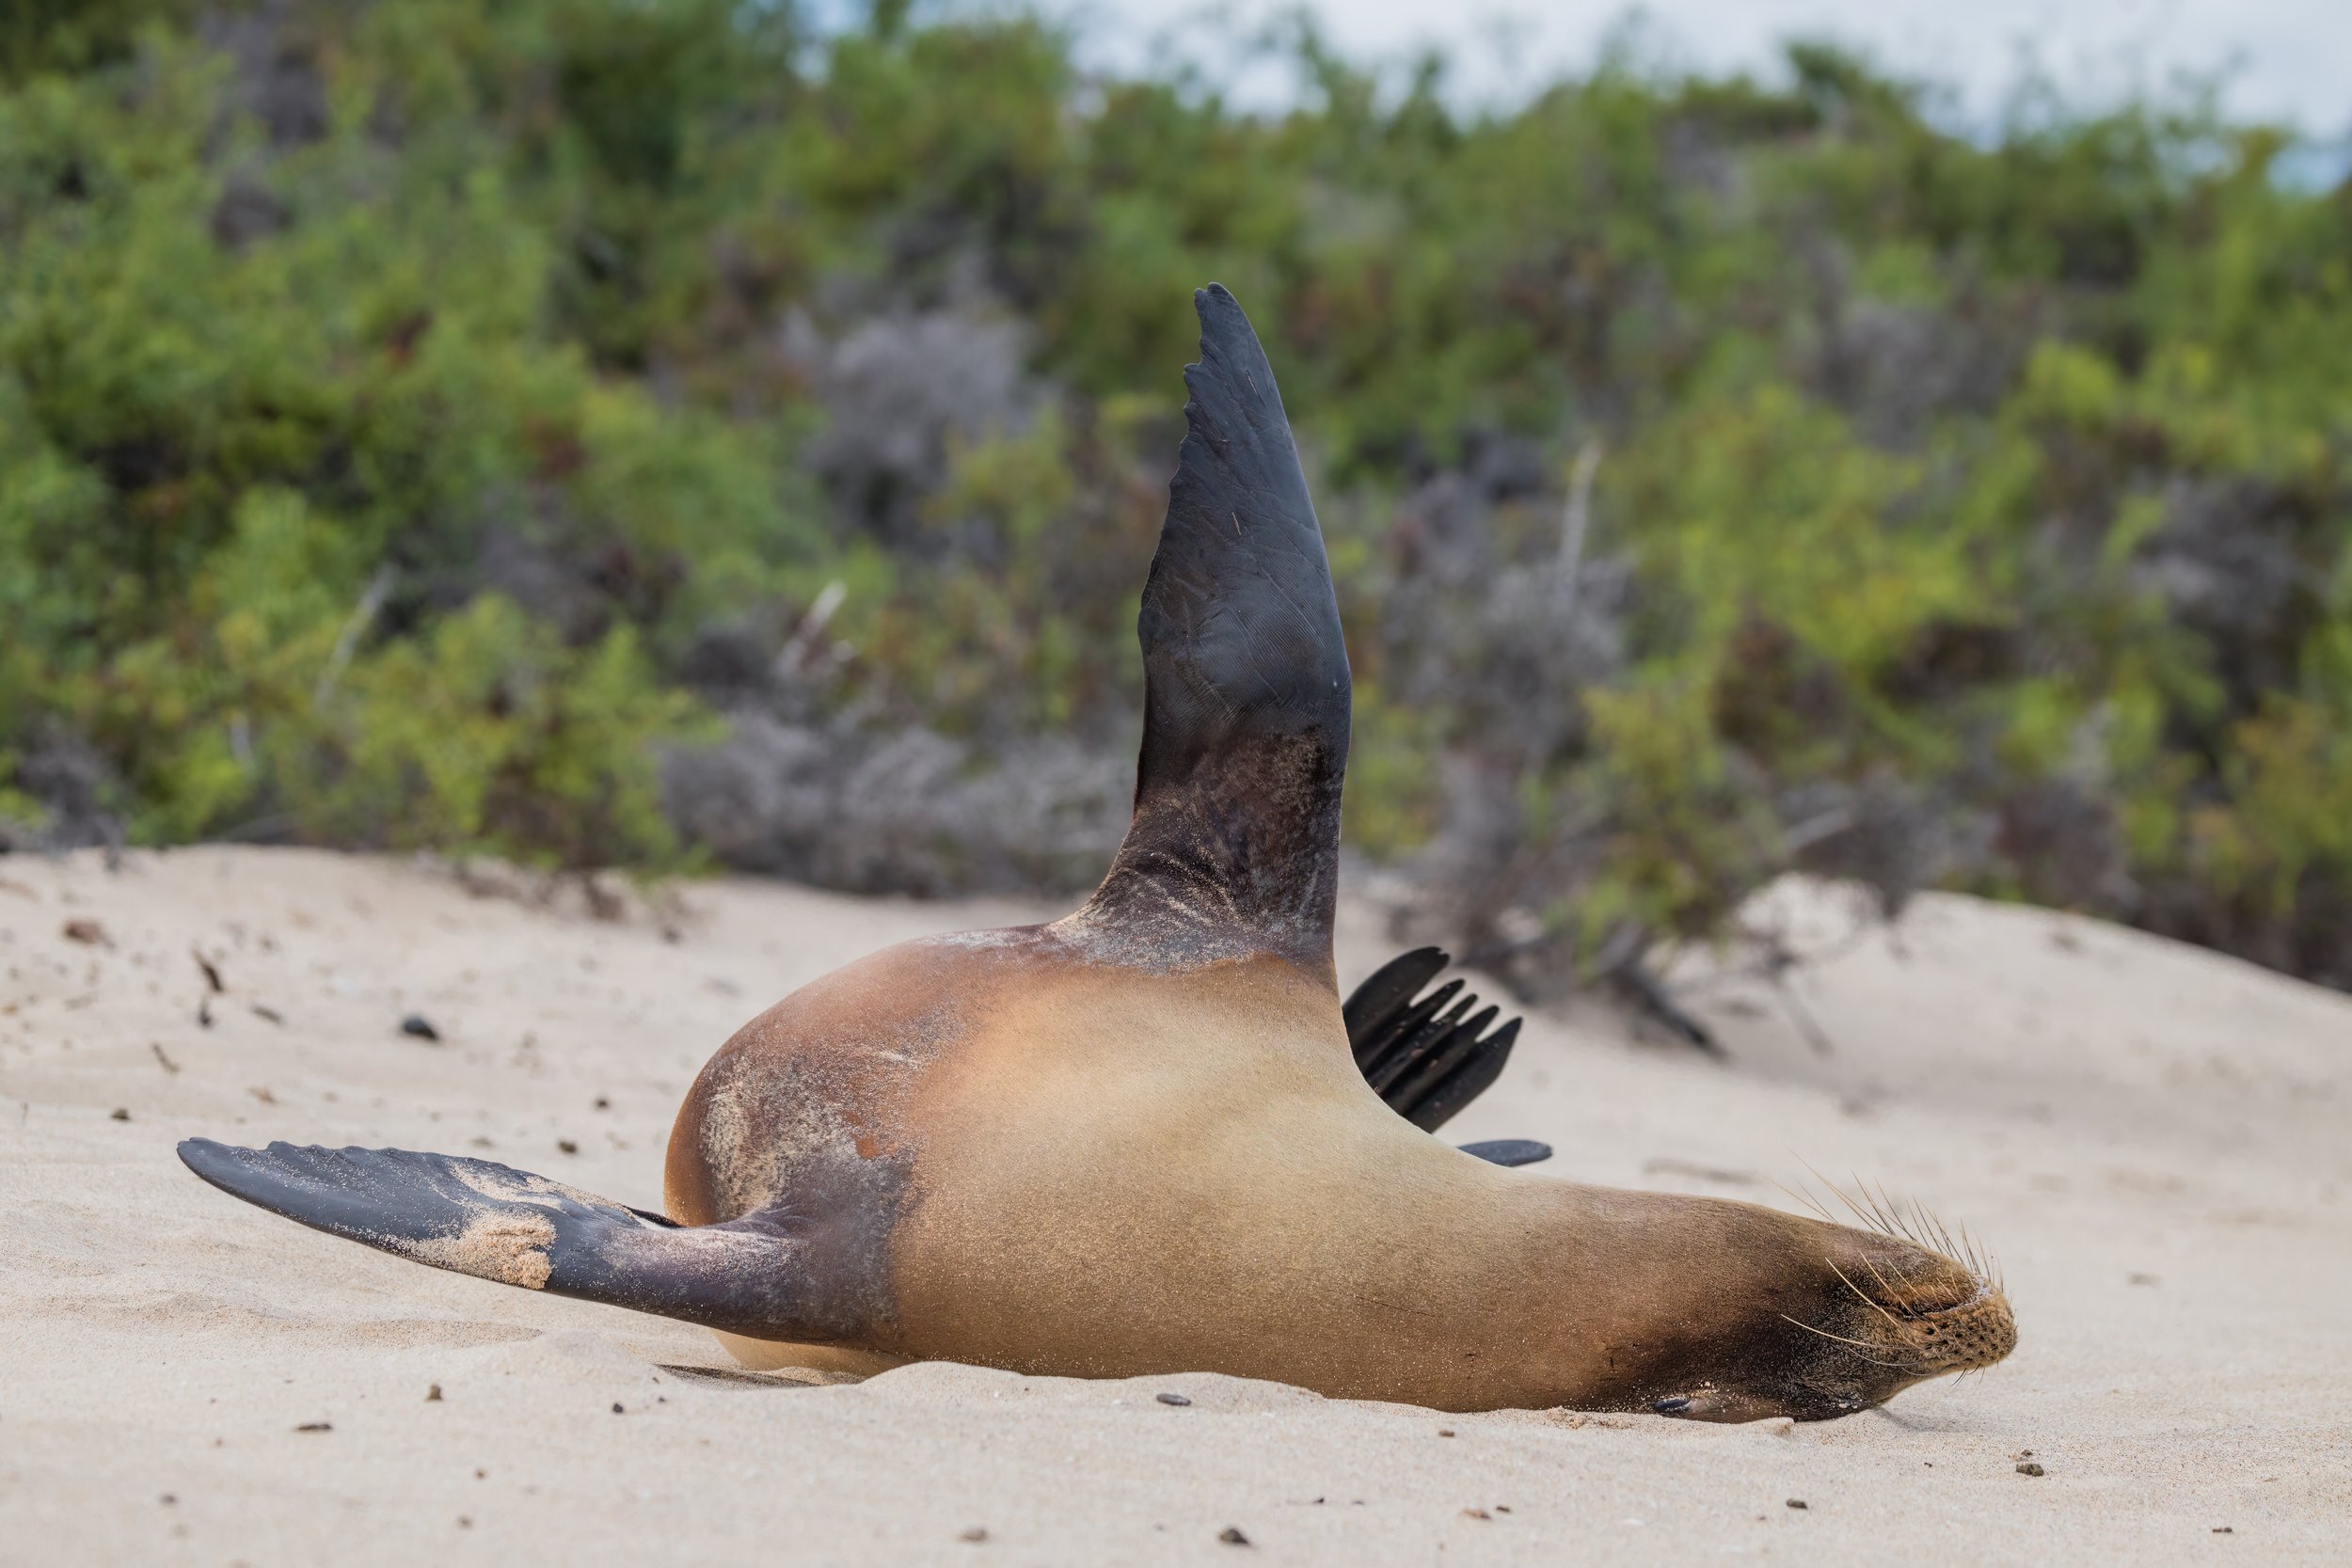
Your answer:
<point x="1233" y="848"/>
<point x="1509" y="1151"/>
<point x="1386" y="993"/>
<point x="489" y="1220"/>
<point x="1426" y="1059"/>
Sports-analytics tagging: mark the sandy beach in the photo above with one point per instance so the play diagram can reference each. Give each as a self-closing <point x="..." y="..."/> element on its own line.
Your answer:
<point x="2155" y="1142"/>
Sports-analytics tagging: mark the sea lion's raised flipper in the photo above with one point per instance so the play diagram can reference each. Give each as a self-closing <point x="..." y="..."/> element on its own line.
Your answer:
<point x="478" y="1217"/>
<point x="1426" y="1059"/>
<point x="1233" y="848"/>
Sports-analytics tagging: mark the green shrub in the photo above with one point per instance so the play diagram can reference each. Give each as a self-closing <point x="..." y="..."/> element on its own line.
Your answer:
<point x="414" y="424"/>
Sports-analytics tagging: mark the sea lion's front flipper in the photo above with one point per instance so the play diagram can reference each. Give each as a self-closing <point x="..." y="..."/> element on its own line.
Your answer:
<point x="478" y="1217"/>
<point x="1233" y="848"/>
<point x="1426" y="1058"/>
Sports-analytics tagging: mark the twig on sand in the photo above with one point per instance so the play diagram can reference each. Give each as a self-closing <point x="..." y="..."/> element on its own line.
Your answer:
<point x="1801" y="1016"/>
<point x="1653" y="1001"/>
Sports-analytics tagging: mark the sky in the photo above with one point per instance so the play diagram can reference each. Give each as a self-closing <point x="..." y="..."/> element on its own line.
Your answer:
<point x="2288" y="60"/>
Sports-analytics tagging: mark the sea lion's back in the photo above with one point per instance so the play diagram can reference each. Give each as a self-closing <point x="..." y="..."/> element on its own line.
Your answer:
<point x="808" y="1101"/>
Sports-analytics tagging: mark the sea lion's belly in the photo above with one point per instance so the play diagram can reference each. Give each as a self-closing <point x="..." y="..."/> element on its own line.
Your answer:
<point x="1124" y="1174"/>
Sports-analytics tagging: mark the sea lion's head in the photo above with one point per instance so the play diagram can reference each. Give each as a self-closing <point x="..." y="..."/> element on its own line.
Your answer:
<point x="1840" y="1320"/>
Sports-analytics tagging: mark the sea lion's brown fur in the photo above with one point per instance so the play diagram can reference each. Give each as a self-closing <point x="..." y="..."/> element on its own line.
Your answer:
<point x="1101" y="1169"/>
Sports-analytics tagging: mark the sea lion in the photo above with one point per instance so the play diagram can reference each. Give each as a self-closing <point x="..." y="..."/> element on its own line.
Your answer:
<point x="1135" y="1140"/>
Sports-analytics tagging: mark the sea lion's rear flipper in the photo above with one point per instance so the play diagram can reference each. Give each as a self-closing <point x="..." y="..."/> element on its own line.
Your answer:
<point x="478" y="1217"/>
<point x="1427" y="1058"/>
<point x="1233" y="848"/>
<point x="1509" y="1151"/>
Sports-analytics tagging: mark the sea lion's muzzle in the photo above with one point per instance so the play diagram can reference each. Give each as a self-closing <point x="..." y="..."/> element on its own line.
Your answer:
<point x="1977" y="1333"/>
<point x="1878" y="1315"/>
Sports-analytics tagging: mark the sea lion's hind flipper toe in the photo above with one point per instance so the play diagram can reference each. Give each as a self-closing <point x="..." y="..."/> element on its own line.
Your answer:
<point x="1372" y="1009"/>
<point x="1509" y="1151"/>
<point x="1426" y="1059"/>
<point x="494" y="1222"/>
<point x="1465" y="1067"/>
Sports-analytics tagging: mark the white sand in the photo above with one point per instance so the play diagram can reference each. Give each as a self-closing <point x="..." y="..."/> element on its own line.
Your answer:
<point x="2156" y="1142"/>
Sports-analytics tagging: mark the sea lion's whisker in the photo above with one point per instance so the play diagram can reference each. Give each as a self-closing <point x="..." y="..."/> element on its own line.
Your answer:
<point x="1918" y="1225"/>
<point x="1853" y="1205"/>
<point x="1859" y="1291"/>
<point x="1879" y="1211"/>
<point x="1876" y="1210"/>
<point x="1808" y="1200"/>
<point x="1891" y="1219"/>
<point x="1894" y="1216"/>
<point x="1882" y="1279"/>
<point x="1884" y="1203"/>
<point x="1970" y="1254"/>
<point x="1980" y="1259"/>
<point x="1951" y="1248"/>
<point x="1843" y="1341"/>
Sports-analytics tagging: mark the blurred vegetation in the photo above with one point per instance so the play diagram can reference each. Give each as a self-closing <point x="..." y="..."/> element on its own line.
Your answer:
<point x="647" y="433"/>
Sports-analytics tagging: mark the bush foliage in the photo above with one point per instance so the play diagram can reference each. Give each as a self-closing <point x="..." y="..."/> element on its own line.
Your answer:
<point x="622" y="432"/>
